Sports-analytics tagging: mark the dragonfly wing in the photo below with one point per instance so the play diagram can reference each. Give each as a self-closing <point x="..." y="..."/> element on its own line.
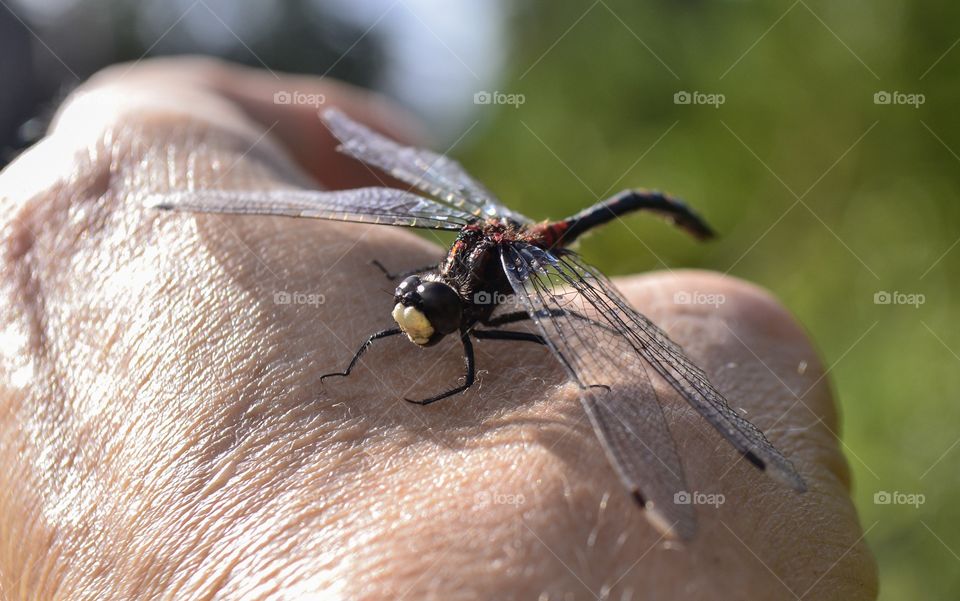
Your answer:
<point x="624" y="410"/>
<point x="386" y="206"/>
<point x="645" y="340"/>
<point x="428" y="171"/>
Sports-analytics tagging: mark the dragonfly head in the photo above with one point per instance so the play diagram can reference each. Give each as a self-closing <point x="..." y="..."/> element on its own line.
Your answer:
<point x="426" y="310"/>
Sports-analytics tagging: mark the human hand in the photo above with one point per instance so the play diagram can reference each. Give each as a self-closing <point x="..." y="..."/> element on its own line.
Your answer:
<point x="163" y="431"/>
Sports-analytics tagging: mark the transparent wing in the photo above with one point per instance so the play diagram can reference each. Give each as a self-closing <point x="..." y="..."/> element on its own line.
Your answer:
<point x="385" y="206"/>
<point x="620" y="340"/>
<point x="428" y="171"/>
<point x="624" y="411"/>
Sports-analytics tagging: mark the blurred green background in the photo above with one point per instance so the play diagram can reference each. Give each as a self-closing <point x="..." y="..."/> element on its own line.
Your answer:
<point x="820" y="194"/>
<point x="823" y="193"/>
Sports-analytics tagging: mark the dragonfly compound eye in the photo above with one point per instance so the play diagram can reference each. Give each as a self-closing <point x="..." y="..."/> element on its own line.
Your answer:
<point x="441" y="305"/>
<point x="426" y="311"/>
<point x="407" y="287"/>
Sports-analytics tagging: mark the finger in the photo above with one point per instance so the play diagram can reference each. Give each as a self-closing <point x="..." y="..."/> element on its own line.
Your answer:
<point x="289" y="106"/>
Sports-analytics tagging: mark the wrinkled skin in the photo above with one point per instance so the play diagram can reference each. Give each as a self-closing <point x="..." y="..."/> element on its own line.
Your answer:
<point x="163" y="433"/>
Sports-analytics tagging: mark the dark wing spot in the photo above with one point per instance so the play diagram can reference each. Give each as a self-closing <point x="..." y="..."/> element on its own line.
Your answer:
<point x="755" y="460"/>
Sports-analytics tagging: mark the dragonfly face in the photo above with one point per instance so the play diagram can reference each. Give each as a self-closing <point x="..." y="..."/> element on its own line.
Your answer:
<point x="426" y="309"/>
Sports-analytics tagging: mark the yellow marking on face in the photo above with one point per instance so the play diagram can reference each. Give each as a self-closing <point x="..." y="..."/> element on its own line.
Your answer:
<point x="413" y="323"/>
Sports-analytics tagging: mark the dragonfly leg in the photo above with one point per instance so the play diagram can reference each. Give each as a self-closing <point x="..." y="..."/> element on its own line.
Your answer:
<point x="468" y="377"/>
<point x="508" y="335"/>
<point x="363" y="348"/>
<point x="397" y="276"/>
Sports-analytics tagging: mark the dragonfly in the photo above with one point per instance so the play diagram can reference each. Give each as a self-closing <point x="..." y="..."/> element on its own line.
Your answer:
<point x="505" y="269"/>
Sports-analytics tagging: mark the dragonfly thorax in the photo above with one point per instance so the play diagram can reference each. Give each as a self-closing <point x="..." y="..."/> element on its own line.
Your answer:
<point x="426" y="309"/>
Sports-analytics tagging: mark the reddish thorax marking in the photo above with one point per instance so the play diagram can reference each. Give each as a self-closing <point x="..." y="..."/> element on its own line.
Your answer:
<point x="549" y="234"/>
<point x="478" y="239"/>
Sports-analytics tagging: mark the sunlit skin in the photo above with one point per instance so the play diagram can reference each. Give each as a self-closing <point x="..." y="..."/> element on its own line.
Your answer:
<point x="163" y="430"/>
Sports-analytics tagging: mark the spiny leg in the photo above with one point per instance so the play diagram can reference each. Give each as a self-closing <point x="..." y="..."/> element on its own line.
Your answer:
<point x="508" y="335"/>
<point x="363" y="348"/>
<point x="468" y="377"/>
<point x="628" y="201"/>
<point x="397" y="276"/>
